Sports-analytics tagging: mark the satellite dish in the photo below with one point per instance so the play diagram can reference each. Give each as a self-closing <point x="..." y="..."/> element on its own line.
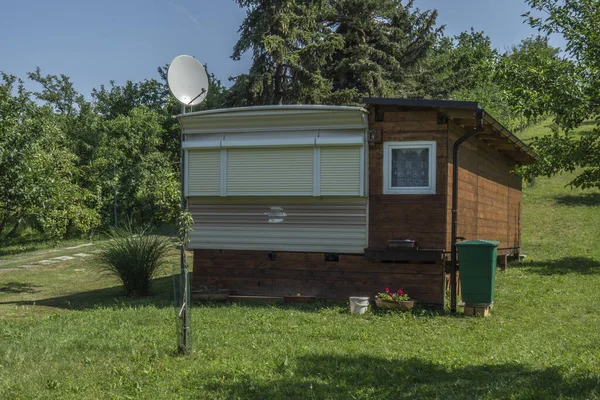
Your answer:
<point x="187" y="80"/>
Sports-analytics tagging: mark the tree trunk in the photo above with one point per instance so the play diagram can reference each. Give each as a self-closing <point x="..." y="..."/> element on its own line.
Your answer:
<point x="13" y="230"/>
<point x="278" y="89"/>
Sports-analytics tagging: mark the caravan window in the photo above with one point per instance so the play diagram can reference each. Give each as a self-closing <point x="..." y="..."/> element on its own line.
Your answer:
<point x="409" y="167"/>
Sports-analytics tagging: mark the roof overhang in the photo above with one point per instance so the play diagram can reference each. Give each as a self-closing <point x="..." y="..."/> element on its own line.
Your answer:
<point x="463" y="113"/>
<point x="278" y="118"/>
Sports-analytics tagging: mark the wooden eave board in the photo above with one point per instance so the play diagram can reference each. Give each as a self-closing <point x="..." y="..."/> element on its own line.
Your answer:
<point x="508" y="145"/>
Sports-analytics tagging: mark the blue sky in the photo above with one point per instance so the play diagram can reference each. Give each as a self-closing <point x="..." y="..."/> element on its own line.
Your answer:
<point x="94" y="42"/>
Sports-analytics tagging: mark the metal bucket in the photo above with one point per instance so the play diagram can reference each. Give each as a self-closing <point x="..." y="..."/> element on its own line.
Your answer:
<point x="359" y="305"/>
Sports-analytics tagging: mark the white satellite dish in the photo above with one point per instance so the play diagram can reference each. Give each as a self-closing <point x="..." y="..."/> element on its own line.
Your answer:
<point x="187" y="80"/>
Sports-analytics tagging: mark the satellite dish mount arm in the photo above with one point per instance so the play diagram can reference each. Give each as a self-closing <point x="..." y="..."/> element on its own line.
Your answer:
<point x="201" y="93"/>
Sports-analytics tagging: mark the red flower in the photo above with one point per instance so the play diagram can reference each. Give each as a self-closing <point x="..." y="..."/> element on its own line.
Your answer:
<point x="400" y="291"/>
<point x="387" y="289"/>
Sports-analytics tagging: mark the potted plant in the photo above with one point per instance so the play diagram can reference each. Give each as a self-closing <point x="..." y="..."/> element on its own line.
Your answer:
<point x="398" y="300"/>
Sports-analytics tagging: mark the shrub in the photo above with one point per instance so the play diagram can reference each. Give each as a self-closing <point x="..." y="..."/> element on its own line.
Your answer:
<point x="134" y="256"/>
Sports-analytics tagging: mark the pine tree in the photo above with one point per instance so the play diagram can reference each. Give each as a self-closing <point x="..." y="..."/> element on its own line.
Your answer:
<point x="384" y="42"/>
<point x="290" y="47"/>
<point x="330" y="51"/>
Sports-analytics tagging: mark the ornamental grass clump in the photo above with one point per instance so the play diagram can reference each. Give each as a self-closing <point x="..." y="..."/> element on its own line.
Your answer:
<point x="134" y="256"/>
<point x="397" y="296"/>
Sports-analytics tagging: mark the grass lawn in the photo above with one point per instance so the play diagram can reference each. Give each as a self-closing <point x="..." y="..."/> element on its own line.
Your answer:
<point x="67" y="332"/>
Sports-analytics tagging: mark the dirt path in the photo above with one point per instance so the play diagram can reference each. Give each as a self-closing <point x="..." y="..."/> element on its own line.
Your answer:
<point x="48" y="257"/>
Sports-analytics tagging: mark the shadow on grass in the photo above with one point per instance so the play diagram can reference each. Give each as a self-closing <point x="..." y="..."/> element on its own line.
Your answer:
<point x="161" y="297"/>
<point x="344" y="377"/>
<point x="18" y="287"/>
<point x="584" y="199"/>
<point x="162" y="289"/>
<point x="561" y="266"/>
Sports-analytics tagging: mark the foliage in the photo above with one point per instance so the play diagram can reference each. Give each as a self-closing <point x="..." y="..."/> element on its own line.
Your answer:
<point x="384" y="44"/>
<point x="332" y="52"/>
<point x="37" y="172"/>
<point x="130" y="162"/>
<point x="134" y="256"/>
<point x="459" y="64"/>
<point x="532" y="74"/>
<point x="185" y="222"/>
<point x="570" y="89"/>
<point x="397" y="296"/>
<point x="290" y="46"/>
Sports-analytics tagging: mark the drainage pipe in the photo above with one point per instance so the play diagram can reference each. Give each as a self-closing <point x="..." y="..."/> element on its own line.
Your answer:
<point x="478" y="128"/>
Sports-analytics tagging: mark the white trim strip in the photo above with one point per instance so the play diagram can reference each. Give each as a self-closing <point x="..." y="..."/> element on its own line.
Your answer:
<point x="186" y="172"/>
<point x="361" y="190"/>
<point x="275" y="129"/>
<point x="340" y="141"/>
<point x="275" y="142"/>
<point x="268" y="194"/>
<point x="203" y="194"/>
<point x="201" y="144"/>
<point x="340" y="194"/>
<point x="317" y="172"/>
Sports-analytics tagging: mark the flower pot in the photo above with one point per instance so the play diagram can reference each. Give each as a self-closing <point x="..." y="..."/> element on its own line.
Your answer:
<point x="394" y="305"/>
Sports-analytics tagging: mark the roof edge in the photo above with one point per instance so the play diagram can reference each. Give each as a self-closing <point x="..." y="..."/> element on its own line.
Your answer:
<point x="421" y="103"/>
<point x="291" y="107"/>
<point x="511" y="136"/>
<point x="455" y="104"/>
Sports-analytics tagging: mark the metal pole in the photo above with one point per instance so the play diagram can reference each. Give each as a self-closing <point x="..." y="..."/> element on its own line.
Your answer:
<point x="115" y="196"/>
<point x="185" y="342"/>
<point x="461" y="140"/>
<point x="115" y="205"/>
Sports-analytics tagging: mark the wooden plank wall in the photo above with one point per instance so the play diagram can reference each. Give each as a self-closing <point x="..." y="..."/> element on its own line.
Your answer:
<point x="255" y="273"/>
<point x="489" y="195"/>
<point x="400" y="216"/>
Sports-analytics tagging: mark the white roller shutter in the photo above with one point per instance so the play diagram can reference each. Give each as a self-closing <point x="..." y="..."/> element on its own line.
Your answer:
<point x="284" y="171"/>
<point x="204" y="172"/>
<point x="340" y="171"/>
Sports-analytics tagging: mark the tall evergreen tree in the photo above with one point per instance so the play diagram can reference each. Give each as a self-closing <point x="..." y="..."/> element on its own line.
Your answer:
<point x="329" y="51"/>
<point x="290" y="48"/>
<point x="384" y="43"/>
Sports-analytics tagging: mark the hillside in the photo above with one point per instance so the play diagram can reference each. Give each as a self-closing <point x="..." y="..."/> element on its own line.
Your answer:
<point x="559" y="222"/>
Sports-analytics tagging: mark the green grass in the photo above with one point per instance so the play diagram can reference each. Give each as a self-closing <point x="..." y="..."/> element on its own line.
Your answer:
<point x="14" y="249"/>
<point x="23" y="258"/>
<point x="67" y="331"/>
<point x="544" y="127"/>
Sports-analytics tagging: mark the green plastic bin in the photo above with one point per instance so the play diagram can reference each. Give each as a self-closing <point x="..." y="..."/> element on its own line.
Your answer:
<point x="477" y="264"/>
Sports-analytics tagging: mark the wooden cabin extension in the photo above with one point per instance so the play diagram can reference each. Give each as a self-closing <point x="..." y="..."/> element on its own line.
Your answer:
<point x="315" y="199"/>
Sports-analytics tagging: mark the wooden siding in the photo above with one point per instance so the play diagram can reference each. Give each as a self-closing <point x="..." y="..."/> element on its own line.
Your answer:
<point x="489" y="194"/>
<point x="287" y="274"/>
<point x="420" y="217"/>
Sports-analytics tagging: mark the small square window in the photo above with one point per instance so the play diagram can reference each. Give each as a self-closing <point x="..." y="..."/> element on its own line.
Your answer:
<point x="409" y="167"/>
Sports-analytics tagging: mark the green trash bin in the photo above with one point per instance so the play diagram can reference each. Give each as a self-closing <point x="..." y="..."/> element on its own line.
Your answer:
<point x="477" y="265"/>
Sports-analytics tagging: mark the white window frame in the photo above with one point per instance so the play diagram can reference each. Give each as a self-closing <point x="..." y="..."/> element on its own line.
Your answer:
<point x="387" y="167"/>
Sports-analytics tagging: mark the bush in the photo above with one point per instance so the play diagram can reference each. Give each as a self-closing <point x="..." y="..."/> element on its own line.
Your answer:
<point x="134" y="256"/>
